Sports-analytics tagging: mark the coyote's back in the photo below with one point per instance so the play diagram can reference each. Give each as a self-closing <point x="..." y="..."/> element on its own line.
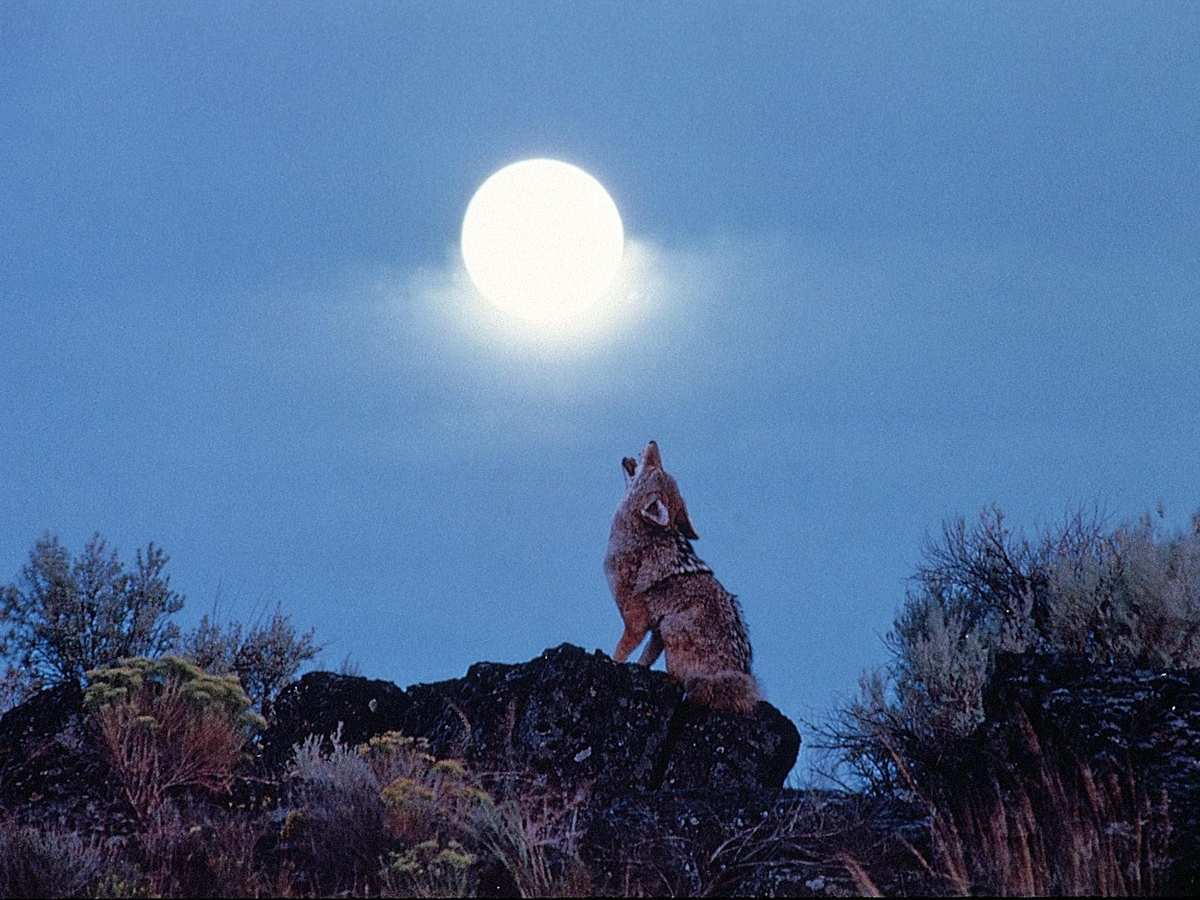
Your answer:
<point x="663" y="588"/>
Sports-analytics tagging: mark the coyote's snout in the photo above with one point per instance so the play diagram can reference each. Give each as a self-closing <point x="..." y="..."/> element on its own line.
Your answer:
<point x="662" y="587"/>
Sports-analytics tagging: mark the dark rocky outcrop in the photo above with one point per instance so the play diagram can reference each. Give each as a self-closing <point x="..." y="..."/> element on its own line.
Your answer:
<point x="567" y="719"/>
<point x="570" y="718"/>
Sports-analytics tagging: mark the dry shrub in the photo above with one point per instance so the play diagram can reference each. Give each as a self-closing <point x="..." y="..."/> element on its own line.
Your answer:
<point x="48" y="863"/>
<point x="187" y="852"/>
<point x="534" y="835"/>
<point x="455" y="834"/>
<point x="335" y="832"/>
<point x="265" y="657"/>
<point x="429" y="869"/>
<point x="389" y="815"/>
<point x="834" y="843"/>
<point x="386" y="816"/>
<point x="157" y="743"/>
<point x="166" y="725"/>
<point x="66" y="616"/>
<point x="1125" y="595"/>
<point x="1060" y="828"/>
<point x="425" y="798"/>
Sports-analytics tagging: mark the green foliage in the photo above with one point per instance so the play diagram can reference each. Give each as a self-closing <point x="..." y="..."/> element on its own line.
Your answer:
<point x="220" y="696"/>
<point x="264" y="657"/>
<point x="66" y="616"/>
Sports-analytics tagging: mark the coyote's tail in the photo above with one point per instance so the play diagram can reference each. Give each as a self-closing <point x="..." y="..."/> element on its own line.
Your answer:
<point x="730" y="690"/>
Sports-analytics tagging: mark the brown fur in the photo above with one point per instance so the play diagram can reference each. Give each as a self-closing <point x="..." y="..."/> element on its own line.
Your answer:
<point x="664" y="589"/>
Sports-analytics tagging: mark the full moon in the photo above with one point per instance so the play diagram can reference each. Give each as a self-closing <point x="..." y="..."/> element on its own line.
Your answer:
<point x="542" y="240"/>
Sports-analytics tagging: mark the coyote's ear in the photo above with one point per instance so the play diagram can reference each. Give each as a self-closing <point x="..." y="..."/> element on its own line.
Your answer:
<point x="684" y="524"/>
<point x="629" y="464"/>
<point x="656" y="511"/>
<point x="650" y="457"/>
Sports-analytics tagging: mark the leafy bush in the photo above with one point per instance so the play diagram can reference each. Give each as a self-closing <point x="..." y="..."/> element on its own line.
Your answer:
<point x="265" y="657"/>
<point x="428" y="869"/>
<point x="65" y="617"/>
<point x="1128" y="595"/>
<point x="165" y="724"/>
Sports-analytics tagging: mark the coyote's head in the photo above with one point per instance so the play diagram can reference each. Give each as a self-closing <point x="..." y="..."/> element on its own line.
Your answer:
<point x="654" y="493"/>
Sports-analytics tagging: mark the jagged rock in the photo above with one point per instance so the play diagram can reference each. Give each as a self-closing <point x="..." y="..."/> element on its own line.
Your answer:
<point x="723" y="752"/>
<point x="572" y="719"/>
<point x="324" y="704"/>
<point x="568" y="719"/>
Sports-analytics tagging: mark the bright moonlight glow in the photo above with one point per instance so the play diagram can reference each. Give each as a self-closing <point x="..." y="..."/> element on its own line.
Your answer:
<point x="543" y="240"/>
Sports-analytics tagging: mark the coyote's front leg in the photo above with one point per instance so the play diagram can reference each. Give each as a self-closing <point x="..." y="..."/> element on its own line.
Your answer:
<point x="637" y="623"/>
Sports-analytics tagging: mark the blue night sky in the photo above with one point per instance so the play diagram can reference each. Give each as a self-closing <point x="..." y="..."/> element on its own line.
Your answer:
<point x="886" y="264"/>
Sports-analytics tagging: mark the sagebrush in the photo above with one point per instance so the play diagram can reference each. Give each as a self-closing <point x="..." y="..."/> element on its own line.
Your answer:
<point x="166" y="725"/>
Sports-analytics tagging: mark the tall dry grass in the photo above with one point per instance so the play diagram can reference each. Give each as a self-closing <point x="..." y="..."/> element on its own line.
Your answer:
<point x="1041" y="821"/>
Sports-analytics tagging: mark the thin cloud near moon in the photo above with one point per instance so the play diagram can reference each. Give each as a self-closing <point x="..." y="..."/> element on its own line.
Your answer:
<point x="445" y="293"/>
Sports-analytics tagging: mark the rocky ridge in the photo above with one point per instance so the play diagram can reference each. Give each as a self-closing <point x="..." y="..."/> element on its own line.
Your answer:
<point x="670" y="797"/>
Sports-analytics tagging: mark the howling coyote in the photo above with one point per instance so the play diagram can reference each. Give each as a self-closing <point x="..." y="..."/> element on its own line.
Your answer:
<point x="662" y="587"/>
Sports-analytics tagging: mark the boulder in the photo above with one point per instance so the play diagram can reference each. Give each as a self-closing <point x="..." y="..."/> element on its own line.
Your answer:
<point x="567" y="719"/>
